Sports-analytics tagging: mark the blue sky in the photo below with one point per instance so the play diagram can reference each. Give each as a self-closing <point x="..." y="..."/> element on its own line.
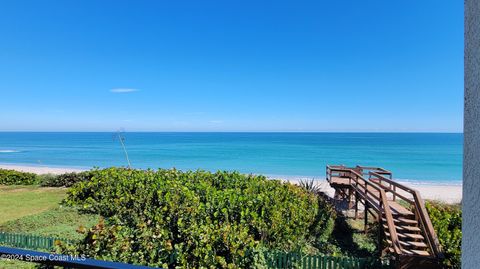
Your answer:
<point x="231" y="65"/>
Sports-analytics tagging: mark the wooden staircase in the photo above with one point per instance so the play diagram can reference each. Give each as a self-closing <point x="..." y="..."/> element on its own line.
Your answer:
<point x="406" y="227"/>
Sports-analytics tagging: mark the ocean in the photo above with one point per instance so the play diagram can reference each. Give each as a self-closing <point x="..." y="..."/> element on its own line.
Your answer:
<point x="417" y="157"/>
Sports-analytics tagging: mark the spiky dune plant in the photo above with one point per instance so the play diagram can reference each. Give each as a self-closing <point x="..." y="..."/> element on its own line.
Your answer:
<point x="310" y="185"/>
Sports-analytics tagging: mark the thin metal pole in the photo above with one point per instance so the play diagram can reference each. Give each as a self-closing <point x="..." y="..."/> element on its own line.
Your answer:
<point x="121" y="138"/>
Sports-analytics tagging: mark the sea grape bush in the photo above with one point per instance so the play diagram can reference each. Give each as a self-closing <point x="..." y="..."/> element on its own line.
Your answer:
<point x="207" y="220"/>
<point x="447" y="222"/>
<point x="12" y="177"/>
<point x="65" y="180"/>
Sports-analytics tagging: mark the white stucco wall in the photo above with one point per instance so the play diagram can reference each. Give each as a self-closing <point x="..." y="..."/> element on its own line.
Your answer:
<point x="471" y="157"/>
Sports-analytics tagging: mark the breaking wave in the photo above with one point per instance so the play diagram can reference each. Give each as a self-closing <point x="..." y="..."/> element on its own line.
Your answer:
<point x="8" y="151"/>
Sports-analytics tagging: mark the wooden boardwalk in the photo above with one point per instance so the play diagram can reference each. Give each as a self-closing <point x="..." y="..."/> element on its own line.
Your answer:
<point x="405" y="225"/>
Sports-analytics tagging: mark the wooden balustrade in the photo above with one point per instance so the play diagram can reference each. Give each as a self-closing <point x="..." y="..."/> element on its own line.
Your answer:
<point x="418" y="204"/>
<point x="364" y="188"/>
<point x="375" y="192"/>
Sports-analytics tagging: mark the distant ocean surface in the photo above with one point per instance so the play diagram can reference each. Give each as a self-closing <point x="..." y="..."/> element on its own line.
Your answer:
<point x="418" y="157"/>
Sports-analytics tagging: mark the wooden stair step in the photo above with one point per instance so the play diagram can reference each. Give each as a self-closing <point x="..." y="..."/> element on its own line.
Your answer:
<point x="409" y="244"/>
<point x="417" y="244"/>
<point x="408" y="221"/>
<point x="420" y="252"/>
<point x="400" y="235"/>
<point x="407" y="236"/>
<point x="413" y="236"/>
<point x="390" y="249"/>
<point x="404" y="251"/>
<point x="411" y="252"/>
<point x="402" y="221"/>
<point x="404" y="229"/>
<point x="385" y="227"/>
<point x="399" y="210"/>
<point x="409" y="228"/>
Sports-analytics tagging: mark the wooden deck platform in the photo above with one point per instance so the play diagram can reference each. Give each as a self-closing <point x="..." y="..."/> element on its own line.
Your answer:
<point x="340" y="181"/>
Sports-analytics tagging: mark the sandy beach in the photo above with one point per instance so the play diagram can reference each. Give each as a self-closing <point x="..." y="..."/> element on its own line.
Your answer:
<point x="444" y="192"/>
<point x="448" y="193"/>
<point x="40" y="169"/>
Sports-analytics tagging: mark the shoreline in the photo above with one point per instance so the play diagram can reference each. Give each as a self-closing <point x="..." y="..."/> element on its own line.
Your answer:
<point x="448" y="193"/>
<point x="410" y="182"/>
<point x="41" y="169"/>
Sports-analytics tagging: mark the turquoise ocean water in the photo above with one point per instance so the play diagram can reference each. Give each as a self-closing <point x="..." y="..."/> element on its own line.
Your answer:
<point x="419" y="157"/>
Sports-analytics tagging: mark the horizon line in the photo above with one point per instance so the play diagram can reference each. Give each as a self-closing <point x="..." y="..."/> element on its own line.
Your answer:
<point x="253" y="131"/>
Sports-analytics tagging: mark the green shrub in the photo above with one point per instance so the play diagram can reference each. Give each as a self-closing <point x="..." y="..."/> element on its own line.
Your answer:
<point x="447" y="222"/>
<point x="64" y="180"/>
<point x="12" y="177"/>
<point x="209" y="220"/>
<point x="42" y="178"/>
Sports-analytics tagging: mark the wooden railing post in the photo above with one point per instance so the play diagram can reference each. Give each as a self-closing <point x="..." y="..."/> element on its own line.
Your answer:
<point x="365" y="229"/>
<point x="394" y="192"/>
<point x="380" y="233"/>
<point x="356" y="205"/>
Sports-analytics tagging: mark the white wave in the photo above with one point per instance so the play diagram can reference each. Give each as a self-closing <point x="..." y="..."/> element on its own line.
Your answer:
<point x="8" y="151"/>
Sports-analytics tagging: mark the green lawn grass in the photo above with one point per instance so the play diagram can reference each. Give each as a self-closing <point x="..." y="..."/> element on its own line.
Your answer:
<point x="20" y="201"/>
<point x="59" y="222"/>
<point x="36" y="210"/>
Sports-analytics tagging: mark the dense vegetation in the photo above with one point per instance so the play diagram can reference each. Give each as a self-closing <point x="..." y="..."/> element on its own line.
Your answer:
<point x="12" y="177"/>
<point x="447" y="221"/>
<point x="64" y="180"/>
<point x="348" y="236"/>
<point x="209" y="220"/>
<point x="193" y="219"/>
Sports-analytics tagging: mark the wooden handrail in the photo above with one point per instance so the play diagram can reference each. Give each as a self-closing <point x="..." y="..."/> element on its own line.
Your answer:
<point x="392" y="182"/>
<point x="377" y="169"/>
<point x="383" y="204"/>
<point x="334" y="168"/>
<point x="427" y="223"/>
<point x="391" y="225"/>
<point x="393" y="190"/>
<point x="421" y="211"/>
